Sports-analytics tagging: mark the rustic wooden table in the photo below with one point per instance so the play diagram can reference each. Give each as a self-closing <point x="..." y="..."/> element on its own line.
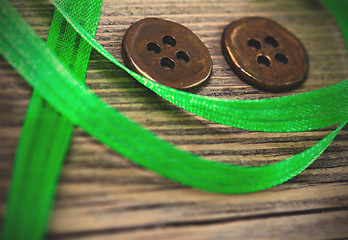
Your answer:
<point x="102" y="195"/>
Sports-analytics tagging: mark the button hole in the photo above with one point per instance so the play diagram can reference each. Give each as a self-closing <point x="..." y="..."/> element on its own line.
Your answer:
<point x="182" y="56"/>
<point x="281" y="58"/>
<point x="153" y="47"/>
<point x="169" y="40"/>
<point x="254" y="43"/>
<point x="272" y="41"/>
<point x="263" y="60"/>
<point x="167" y="63"/>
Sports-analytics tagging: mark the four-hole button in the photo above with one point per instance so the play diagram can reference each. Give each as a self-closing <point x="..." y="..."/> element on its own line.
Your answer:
<point x="264" y="54"/>
<point x="167" y="53"/>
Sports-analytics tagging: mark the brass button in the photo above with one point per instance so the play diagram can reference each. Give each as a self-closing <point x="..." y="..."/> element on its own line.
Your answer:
<point x="264" y="54"/>
<point x="167" y="53"/>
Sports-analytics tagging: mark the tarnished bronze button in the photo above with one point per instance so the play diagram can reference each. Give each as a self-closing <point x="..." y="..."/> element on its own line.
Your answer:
<point x="264" y="54"/>
<point x="167" y="53"/>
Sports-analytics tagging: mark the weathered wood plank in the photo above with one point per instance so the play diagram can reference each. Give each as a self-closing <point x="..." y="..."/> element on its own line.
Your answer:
<point x="101" y="195"/>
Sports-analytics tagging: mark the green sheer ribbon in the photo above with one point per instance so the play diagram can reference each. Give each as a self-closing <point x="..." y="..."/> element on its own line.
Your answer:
<point x="41" y="68"/>
<point x="46" y="134"/>
<point x="302" y="112"/>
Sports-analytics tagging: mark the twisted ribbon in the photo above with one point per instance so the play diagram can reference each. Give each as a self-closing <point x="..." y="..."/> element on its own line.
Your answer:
<point x="60" y="86"/>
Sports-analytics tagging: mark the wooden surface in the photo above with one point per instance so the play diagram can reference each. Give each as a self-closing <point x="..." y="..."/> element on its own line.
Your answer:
<point x="102" y="195"/>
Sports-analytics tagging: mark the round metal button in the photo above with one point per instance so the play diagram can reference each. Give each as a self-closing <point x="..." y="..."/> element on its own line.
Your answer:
<point x="264" y="54"/>
<point x="167" y="53"/>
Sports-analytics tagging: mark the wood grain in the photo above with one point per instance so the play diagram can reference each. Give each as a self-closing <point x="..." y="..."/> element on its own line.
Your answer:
<point x="102" y="195"/>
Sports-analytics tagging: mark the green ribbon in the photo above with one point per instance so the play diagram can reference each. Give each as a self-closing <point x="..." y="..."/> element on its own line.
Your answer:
<point x="46" y="134"/>
<point x="41" y="68"/>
